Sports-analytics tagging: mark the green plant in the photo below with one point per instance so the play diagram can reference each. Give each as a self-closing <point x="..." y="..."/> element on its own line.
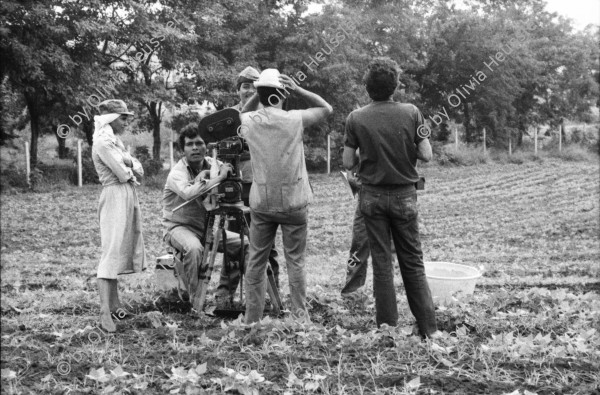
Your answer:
<point x="151" y="166"/>
<point x="574" y="153"/>
<point x="181" y="120"/>
<point x="463" y="155"/>
<point x="11" y="178"/>
<point x="316" y="159"/>
<point x="442" y="133"/>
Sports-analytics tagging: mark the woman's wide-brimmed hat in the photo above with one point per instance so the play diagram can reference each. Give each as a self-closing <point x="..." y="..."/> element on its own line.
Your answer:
<point x="114" y="106"/>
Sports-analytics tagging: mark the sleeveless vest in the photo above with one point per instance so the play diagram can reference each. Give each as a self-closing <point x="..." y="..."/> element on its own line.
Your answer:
<point x="280" y="180"/>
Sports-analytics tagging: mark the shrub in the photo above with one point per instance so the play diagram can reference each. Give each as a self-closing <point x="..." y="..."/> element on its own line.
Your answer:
<point x="316" y="159"/>
<point x="151" y="166"/>
<point x="574" y="153"/>
<point x="181" y="120"/>
<point x="442" y="133"/>
<point x="157" y="181"/>
<point x="463" y="156"/>
<point x="11" y="178"/>
<point x="518" y="158"/>
<point x="88" y="170"/>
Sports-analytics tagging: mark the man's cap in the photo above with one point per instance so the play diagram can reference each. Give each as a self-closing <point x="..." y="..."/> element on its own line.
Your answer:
<point x="249" y="74"/>
<point x="269" y="78"/>
<point x="114" y="106"/>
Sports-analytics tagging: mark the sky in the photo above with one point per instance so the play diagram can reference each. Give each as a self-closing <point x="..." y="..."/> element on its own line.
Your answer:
<point x="582" y="12"/>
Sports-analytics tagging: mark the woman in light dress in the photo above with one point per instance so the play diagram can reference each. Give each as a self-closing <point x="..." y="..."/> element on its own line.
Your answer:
<point x="118" y="209"/>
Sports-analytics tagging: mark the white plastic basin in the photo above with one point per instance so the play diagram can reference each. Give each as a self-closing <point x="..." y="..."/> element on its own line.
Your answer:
<point x="450" y="279"/>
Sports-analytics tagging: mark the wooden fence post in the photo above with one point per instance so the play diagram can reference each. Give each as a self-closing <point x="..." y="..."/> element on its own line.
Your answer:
<point x="328" y="153"/>
<point x="27" y="164"/>
<point x="509" y="144"/>
<point x="79" y="166"/>
<point x="456" y="138"/>
<point x="535" y="132"/>
<point x="484" y="145"/>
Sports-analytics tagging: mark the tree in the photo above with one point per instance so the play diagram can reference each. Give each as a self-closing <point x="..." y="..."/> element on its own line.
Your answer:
<point x="37" y="58"/>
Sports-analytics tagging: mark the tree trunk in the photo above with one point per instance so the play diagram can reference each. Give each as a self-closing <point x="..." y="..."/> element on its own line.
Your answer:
<point x="469" y="138"/>
<point x="155" y="112"/>
<point x="156" y="135"/>
<point x="88" y="130"/>
<point x="520" y="131"/>
<point x="32" y="107"/>
<point x="62" y="146"/>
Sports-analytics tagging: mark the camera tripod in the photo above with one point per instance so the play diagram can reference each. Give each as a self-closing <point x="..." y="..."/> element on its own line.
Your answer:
<point x="212" y="237"/>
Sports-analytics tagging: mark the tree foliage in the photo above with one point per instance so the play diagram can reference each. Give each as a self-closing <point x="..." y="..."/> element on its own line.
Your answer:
<point x="57" y="54"/>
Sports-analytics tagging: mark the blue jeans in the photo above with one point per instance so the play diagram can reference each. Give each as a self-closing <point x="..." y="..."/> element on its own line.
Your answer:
<point x="356" y="267"/>
<point x="394" y="210"/>
<point x="263" y="228"/>
<point x="358" y="259"/>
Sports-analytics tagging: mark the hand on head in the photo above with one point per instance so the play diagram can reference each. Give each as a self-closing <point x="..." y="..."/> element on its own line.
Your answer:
<point x="287" y="82"/>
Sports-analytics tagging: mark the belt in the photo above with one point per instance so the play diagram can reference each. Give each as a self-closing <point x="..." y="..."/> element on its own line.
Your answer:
<point x="392" y="188"/>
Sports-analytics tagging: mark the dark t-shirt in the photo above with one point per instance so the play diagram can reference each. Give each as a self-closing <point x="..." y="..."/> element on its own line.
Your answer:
<point x="386" y="133"/>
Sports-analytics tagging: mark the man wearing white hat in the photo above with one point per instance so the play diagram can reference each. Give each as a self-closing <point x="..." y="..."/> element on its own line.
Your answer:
<point x="280" y="191"/>
<point x="245" y="89"/>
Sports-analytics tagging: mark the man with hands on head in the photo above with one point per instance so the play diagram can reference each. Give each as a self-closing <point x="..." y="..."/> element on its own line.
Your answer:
<point x="185" y="228"/>
<point x="280" y="192"/>
<point x="245" y="90"/>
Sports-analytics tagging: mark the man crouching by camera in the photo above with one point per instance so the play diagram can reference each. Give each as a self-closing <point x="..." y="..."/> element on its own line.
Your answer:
<point x="184" y="228"/>
<point x="280" y="191"/>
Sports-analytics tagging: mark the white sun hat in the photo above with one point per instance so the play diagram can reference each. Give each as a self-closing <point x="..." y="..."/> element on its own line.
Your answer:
<point x="269" y="78"/>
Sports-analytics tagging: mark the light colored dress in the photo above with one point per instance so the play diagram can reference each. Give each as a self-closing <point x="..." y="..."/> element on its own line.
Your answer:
<point x="119" y="209"/>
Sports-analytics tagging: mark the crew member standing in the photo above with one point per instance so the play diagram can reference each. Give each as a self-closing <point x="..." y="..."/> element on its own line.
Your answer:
<point x="391" y="138"/>
<point x="245" y="90"/>
<point x="280" y="192"/>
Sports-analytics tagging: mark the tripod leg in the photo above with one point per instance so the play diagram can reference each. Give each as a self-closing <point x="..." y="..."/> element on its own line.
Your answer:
<point x="208" y="262"/>
<point x="227" y="265"/>
<point x="273" y="292"/>
<point x="211" y="263"/>
<point x="243" y="227"/>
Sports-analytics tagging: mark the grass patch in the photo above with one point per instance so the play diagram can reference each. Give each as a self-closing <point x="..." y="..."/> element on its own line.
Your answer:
<point x="461" y="156"/>
<point x="575" y="153"/>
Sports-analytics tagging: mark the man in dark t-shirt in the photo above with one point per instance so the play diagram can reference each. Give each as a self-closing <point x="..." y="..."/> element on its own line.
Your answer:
<point x="391" y="137"/>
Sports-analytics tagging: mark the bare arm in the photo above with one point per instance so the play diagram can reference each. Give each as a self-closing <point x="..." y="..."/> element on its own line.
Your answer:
<point x="424" y="151"/>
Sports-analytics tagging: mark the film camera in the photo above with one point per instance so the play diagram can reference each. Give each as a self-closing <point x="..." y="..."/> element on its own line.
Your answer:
<point x="220" y="132"/>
